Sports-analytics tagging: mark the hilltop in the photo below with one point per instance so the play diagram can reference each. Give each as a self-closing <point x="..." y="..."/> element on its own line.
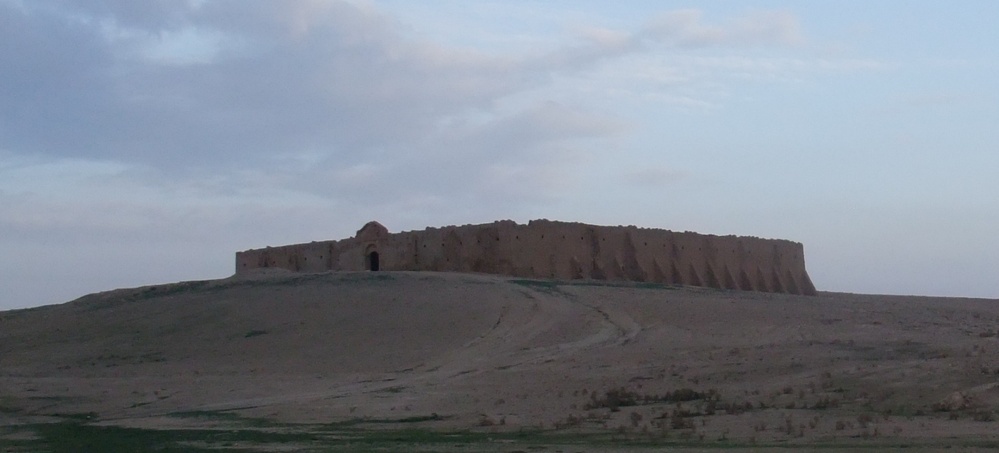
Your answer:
<point x="314" y="356"/>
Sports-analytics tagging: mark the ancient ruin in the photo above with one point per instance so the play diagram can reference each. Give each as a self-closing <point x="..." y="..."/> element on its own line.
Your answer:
<point x="556" y="250"/>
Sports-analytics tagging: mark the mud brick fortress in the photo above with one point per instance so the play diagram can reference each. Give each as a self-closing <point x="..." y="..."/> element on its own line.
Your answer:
<point x="557" y="250"/>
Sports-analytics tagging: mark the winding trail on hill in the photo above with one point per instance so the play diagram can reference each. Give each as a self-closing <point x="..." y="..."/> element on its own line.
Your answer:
<point x="453" y="351"/>
<point x="552" y="326"/>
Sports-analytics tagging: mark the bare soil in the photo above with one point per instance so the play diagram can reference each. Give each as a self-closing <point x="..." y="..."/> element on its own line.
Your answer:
<point x="348" y="357"/>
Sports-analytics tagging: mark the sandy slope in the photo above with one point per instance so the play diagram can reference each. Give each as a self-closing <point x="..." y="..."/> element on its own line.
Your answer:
<point x="499" y="353"/>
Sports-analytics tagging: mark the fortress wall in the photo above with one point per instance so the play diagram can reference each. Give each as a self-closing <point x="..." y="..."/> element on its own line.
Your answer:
<point x="314" y="257"/>
<point x="400" y="252"/>
<point x="347" y="256"/>
<point x="311" y="257"/>
<point x="547" y="249"/>
<point x="270" y="257"/>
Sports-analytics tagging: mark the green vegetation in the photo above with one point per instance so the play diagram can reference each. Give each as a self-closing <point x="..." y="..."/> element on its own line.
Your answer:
<point x="8" y="406"/>
<point x="77" y="433"/>
<point x="226" y="416"/>
<point x="386" y="421"/>
<point x="74" y="437"/>
<point x="544" y="286"/>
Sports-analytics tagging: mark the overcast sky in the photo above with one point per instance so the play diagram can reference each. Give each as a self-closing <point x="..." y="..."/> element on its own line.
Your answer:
<point x="145" y="142"/>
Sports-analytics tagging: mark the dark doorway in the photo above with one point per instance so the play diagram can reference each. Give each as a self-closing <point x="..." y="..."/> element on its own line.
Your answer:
<point x="373" y="261"/>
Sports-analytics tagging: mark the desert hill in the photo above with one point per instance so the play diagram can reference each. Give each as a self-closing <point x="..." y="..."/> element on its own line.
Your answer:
<point x="474" y="353"/>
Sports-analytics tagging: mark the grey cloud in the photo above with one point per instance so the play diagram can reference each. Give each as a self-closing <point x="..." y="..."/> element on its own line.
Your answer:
<point x="533" y="151"/>
<point x="325" y="97"/>
<point x="141" y="15"/>
<point x="325" y="76"/>
<point x="53" y="81"/>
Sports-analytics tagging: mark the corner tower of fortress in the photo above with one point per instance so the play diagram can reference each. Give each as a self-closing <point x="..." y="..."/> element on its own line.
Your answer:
<point x="558" y="250"/>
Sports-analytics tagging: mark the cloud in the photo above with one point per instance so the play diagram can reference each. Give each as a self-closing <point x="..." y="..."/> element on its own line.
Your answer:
<point x="327" y="98"/>
<point x="200" y="127"/>
<point x="300" y="76"/>
<point x="685" y="29"/>
<point x="524" y="156"/>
